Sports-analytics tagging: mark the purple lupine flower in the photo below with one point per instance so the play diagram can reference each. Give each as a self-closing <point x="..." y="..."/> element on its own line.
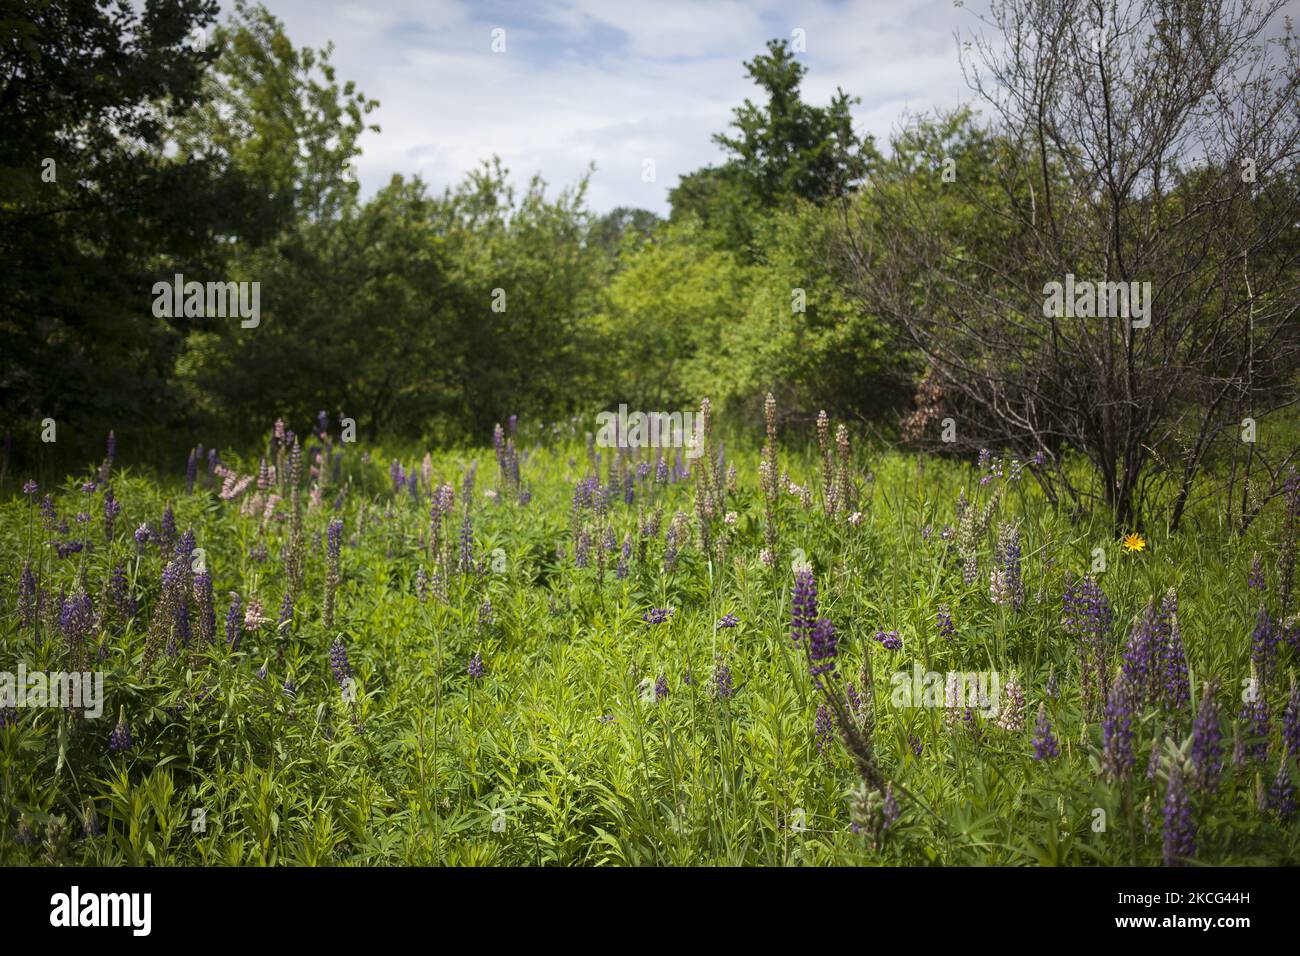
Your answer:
<point x="334" y="539"/>
<point x="824" y="727"/>
<point x="191" y="472"/>
<point x="76" y="615"/>
<point x="112" y="508"/>
<point x="1117" y="731"/>
<point x="970" y="569"/>
<point x="1045" y="744"/>
<point x="180" y="634"/>
<point x="985" y="458"/>
<point x="728" y="620"/>
<point x="821" y="649"/>
<point x="65" y="549"/>
<point x="1281" y="795"/>
<point x="398" y="474"/>
<point x="120" y="739"/>
<point x="485" y="613"/>
<point x="661" y="688"/>
<point x="889" y="640"/>
<point x="1291" y="723"/>
<point x="1139" y="665"/>
<point x="943" y="619"/>
<point x="234" y="622"/>
<point x="286" y="611"/>
<point x="1179" y="829"/>
<point x="657" y="615"/>
<point x="48" y="512"/>
<point x="624" y="556"/>
<point x="476" y="670"/>
<point x="1009" y="556"/>
<point x="1207" y="742"/>
<point x="1255" y="578"/>
<point x="466" y="542"/>
<point x="339" y="662"/>
<point x="582" y="550"/>
<point x="185" y="547"/>
<point x="142" y="535"/>
<point x="1256" y="716"/>
<point x="854" y="700"/>
<point x="467" y="485"/>
<point x="30" y="488"/>
<point x="204" y="603"/>
<point x="1263" y="647"/>
<point x="914" y="742"/>
<point x="803" y="613"/>
<point x="722" y="680"/>
<point x="167" y="530"/>
<point x="1176" y="689"/>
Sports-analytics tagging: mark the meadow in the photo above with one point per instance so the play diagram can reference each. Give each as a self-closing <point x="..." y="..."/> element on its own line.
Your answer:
<point x="546" y="652"/>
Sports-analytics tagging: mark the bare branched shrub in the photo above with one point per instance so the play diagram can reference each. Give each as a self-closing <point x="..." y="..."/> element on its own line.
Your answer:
<point x="1126" y="142"/>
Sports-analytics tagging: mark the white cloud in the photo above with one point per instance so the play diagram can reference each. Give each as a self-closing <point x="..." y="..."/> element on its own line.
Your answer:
<point x="612" y="83"/>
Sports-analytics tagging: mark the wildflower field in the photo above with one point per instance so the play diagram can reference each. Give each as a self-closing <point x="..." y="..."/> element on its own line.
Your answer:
<point x="794" y="649"/>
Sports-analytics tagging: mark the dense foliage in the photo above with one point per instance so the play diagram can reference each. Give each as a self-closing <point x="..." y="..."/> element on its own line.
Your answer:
<point x="570" y="656"/>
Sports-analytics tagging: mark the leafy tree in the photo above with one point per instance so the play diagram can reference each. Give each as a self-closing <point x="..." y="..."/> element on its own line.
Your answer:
<point x="279" y="114"/>
<point x="528" y="278"/>
<point x="608" y="231"/>
<point x="787" y="147"/>
<point x="668" y="307"/>
<point x="88" y="199"/>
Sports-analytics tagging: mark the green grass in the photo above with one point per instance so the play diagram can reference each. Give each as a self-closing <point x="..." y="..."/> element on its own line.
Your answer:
<point x="426" y="764"/>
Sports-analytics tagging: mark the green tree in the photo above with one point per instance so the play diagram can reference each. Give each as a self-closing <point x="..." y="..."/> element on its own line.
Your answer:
<point x="786" y="147"/>
<point x="88" y="198"/>
<point x="279" y="114"/>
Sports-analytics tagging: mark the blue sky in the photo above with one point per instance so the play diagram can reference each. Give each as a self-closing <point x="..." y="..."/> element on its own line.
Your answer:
<point x="610" y="82"/>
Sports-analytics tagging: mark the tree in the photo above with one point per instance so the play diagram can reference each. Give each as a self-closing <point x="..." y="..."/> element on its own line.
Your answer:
<point x="89" y="199"/>
<point x="1145" y="142"/>
<point x="278" y="114"/>
<point x="609" y="230"/>
<point x="787" y="147"/>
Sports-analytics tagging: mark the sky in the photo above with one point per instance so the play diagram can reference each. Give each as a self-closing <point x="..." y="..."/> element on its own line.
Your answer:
<point x="610" y="82"/>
